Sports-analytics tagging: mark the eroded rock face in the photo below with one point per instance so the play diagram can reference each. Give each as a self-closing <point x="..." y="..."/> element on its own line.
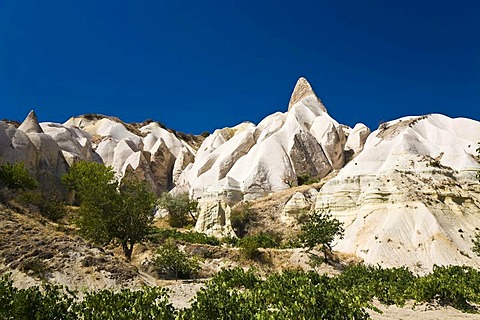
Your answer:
<point x="299" y="204"/>
<point x="410" y="197"/>
<point x="255" y="160"/>
<point x="30" y="124"/>
<point x="357" y="137"/>
<point x="214" y="218"/>
<point x="303" y="92"/>
<point x="38" y="151"/>
<point x="272" y="155"/>
<point x="15" y="146"/>
<point x="149" y="152"/>
<point x="74" y="143"/>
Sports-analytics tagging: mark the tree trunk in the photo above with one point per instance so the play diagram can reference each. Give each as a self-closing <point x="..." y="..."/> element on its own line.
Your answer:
<point x="127" y="250"/>
<point x="193" y="217"/>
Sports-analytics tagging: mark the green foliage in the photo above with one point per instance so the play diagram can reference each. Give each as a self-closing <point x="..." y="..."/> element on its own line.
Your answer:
<point x="290" y="295"/>
<point x="389" y="286"/>
<point x="148" y="303"/>
<point x="321" y="228"/>
<point x="180" y="208"/>
<point x="236" y="278"/>
<point x="249" y="244"/>
<point x="35" y="266"/>
<point x="305" y="179"/>
<point x="476" y="244"/>
<point x="90" y="181"/>
<point x="52" y="302"/>
<point x="109" y="213"/>
<point x="266" y="239"/>
<point x="132" y="221"/>
<point x="458" y="286"/>
<point x="46" y="303"/>
<point x="48" y="205"/>
<point x="173" y="262"/>
<point x="240" y="218"/>
<point x="240" y="294"/>
<point x="159" y="235"/>
<point x="249" y="248"/>
<point x="16" y="177"/>
<point x="52" y="208"/>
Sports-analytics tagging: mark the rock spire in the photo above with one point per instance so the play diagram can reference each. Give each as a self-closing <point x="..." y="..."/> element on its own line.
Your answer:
<point x="30" y="124"/>
<point x="303" y="90"/>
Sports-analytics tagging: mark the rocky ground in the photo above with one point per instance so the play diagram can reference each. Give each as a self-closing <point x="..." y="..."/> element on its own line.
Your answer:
<point x="35" y="250"/>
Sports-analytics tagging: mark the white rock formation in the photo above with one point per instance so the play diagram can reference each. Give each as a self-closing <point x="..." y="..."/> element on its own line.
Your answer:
<point x="249" y="161"/>
<point x="15" y="146"/>
<point x="296" y="205"/>
<point x="37" y="150"/>
<point x="410" y="197"/>
<point x="214" y="218"/>
<point x="149" y="152"/>
<point x="74" y="143"/>
<point x="357" y="137"/>
<point x="256" y="160"/>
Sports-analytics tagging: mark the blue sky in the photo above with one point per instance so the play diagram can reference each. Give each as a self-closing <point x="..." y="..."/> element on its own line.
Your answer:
<point x="200" y="65"/>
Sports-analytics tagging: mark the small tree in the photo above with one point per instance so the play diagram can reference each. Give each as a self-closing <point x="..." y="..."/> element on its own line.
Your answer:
<point x="180" y="208"/>
<point x="320" y="228"/>
<point x="109" y="213"/>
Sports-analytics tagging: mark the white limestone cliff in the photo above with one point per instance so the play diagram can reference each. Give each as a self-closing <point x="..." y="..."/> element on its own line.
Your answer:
<point x="410" y="197"/>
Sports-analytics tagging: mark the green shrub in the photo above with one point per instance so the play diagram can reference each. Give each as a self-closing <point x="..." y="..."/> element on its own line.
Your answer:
<point x="16" y="177"/>
<point x="240" y="218"/>
<point x="49" y="206"/>
<point x="290" y="295"/>
<point x="147" y="303"/>
<point x="52" y="208"/>
<point x="389" y="286"/>
<point x="236" y="278"/>
<point x="180" y="209"/>
<point x="172" y="262"/>
<point x="458" y="286"/>
<point x="48" y="302"/>
<point x="305" y="179"/>
<point x="266" y="239"/>
<point x="249" y="248"/>
<point x="108" y="211"/>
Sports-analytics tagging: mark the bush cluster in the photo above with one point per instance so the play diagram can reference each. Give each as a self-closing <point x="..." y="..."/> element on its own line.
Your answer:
<point x="54" y="302"/>
<point x="172" y="262"/>
<point x="240" y="294"/>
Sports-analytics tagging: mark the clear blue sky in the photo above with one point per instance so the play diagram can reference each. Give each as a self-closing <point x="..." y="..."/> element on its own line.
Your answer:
<point x="202" y="65"/>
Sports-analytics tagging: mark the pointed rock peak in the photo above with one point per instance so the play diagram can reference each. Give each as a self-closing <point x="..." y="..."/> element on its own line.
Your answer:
<point x="304" y="90"/>
<point x="30" y="124"/>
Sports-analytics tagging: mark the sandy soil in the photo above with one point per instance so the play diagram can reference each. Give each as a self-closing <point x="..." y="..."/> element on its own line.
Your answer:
<point x="420" y="312"/>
